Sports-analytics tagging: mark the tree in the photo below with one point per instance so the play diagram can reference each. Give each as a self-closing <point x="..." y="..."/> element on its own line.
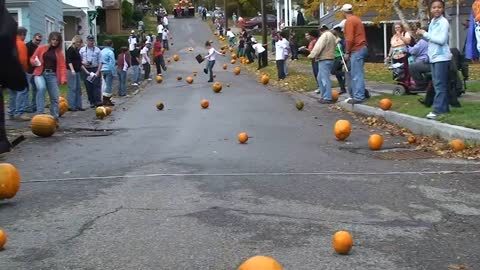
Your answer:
<point x="127" y="12"/>
<point x="384" y="9"/>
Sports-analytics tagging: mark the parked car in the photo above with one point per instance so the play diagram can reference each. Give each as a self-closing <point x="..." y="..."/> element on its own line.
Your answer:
<point x="256" y="22"/>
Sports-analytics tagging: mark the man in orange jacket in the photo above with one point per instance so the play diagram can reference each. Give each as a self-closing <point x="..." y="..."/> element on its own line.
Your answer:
<point x="19" y="99"/>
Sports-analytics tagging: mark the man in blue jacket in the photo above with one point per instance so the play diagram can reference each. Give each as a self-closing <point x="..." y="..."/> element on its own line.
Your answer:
<point x="107" y="57"/>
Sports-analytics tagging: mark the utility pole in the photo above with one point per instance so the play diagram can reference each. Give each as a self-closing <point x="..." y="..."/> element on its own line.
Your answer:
<point x="225" y="14"/>
<point x="264" y="25"/>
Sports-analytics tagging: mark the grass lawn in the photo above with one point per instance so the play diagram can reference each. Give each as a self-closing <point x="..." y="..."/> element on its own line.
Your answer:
<point x="468" y="115"/>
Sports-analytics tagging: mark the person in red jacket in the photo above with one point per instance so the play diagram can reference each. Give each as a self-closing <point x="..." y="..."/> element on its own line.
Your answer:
<point x="19" y="99"/>
<point x="50" y="71"/>
<point x="158" y="55"/>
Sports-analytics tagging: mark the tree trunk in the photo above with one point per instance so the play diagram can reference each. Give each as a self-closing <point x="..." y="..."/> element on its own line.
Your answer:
<point x="422" y="13"/>
<point x="401" y="16"/>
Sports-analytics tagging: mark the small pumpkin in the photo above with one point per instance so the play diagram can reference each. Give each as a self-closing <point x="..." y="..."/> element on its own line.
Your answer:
<point x="204" y="103"/>
<point x="231" y="49"/>
<point x="260" y="263"/>
<point x="3" y="239"/>
<point x="375" y="142"/>
<point x="225" y="66"/>
<point x="457" y="145"/>
<point x="179" y="78"/>
<point x="159" y="78"/>
<point x="342" y="242"/>
<point x="217" y="87"/>
<point x="176" y="58"/>
<point x="9" y="181"/>
<point x="233" y="61"/>
<point x="299" y="105"/>
<point x="62" y="108"/>
<point x="234" y="56"/>
<point x="100" y="112"/>
<point x="189" y="79"/>
<point x="411" y="139"/>
<point x="108" y="110"/>
<point x="43" y="125"/>
<point x="61" y="99"/>
<point x="236" y="70"/>
<point x="335" y="95"/>
<point x="342" y="129"/>
<point x="168" y="60"/>
<point x="160" y="106"/>
<point x="242" y="137"/>
<point x="385" y="104"/>
<point x="265" y="79"/>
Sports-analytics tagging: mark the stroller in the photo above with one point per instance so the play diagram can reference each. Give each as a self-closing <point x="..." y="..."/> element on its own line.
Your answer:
<point x="405" y="84"/>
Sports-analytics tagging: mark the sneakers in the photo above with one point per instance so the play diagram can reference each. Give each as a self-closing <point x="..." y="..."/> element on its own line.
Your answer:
<point x="22" y="117"/>
<point x="431" y="116"/>
<point x="135" y="84"/>
<point x="317" y="91"/>
<point x="149" y="79"/>
<point x="324" y="101"/>
<point x="205" y="71"/>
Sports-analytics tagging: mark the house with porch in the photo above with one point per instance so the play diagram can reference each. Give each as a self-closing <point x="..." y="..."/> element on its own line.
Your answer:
<point x="380" y="33"/>
<point x="80" y="18"/>
<point x="38" y="16"/>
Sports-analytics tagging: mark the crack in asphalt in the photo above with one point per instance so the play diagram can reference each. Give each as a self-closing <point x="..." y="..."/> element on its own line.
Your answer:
<point x="87" y="225"/>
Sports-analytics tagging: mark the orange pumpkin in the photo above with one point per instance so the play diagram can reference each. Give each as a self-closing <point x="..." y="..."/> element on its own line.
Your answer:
<point x="9" y="181"/>
<point x="342" y="129"/>
<point x="176" y="58"/>
<point x="160" y="106"/>
<point x="108" y="110"/>
<point x="342" y="242"/>
<point x="179" y="78"/>
<point x="247" y="61"/>
<point x="43" y="125"/>
<point x="61" y="99"/>
<point x="233" y="61"/>
<point x="260" y="263"/>
<point x="225" y="66"/>
<point x="457" y="145"/>
<point x="375" y="141"/>
<point x="231" y="49"/>
<point x="189" y="79"/>
<point x="3" y="239"/>
<point x="204" y="103"/>
<point x="217" y="87"/>
<point x="159" y="78"/>
<point x="234" y="56"/>
<point x="236" y="70"/>
<point x="265" y="79"/>
<point x="101" y="112"/>
<point x="335" y="95"/>
<point x="243" y="137"/>
<point x="385" y="104"/>
<point x="63" y="108"/>
<point x="168" y="60"/>
<point x="411" y="139"/>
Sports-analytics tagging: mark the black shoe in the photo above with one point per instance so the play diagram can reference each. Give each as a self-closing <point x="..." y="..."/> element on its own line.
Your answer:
<point x="343" y="91"/>
<point x="81" y="109"/>
<point x="205" y="71"/>
<point x="72" y="110"/>
<point x="324" y="101"/>
<point x="210" y="81"/>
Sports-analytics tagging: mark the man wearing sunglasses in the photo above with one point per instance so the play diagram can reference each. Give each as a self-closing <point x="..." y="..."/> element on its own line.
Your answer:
<point x="32" y="45"/>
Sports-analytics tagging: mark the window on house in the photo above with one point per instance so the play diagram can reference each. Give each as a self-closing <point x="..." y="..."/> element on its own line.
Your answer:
<point x="323" y="10"/>
<point x="49" y="25"/>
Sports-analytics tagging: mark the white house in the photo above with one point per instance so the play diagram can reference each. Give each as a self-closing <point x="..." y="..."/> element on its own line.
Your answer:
<point x="80" y="18"/>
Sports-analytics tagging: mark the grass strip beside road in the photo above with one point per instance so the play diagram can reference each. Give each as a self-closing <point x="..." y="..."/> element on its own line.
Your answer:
<point x="467" y="116"/>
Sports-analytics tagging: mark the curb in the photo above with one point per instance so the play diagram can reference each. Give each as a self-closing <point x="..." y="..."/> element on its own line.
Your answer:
<point x="416" y="124"/>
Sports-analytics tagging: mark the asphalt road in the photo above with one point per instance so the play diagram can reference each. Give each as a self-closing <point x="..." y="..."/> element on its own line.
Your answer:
<point x="174" y="189"/>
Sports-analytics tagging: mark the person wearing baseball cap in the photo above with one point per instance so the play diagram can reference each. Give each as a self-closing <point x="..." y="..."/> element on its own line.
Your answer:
<point x="355" y="51"/>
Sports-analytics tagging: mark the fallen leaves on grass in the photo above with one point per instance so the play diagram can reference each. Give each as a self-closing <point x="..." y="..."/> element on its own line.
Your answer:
<point x="425" y="143"/>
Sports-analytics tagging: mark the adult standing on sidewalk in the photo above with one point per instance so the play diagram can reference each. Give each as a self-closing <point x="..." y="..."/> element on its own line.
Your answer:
<point x="19" y="99"/>
<point x="356" y="51"/>
<point x="135" y="56"/>
<point x="311" y="37"/>
<point x="262" y="54"/>
<point x="439" y="55"/>
<point x="74" y="69"/>
<point x="123" y="63"/>
<point x="91" y="61"/>
<point x="158" y="57"/>
<point x="108" y="69"/>
<point x="324" y="53"/>
<point x="145" y="55"/>
<point x="32" y="45"/>
<point x="50" y="71"/>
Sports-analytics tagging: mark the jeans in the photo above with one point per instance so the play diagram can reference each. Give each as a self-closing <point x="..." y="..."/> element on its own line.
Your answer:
<point x="417" y="70"/>
<point x="209" y="67"/>
<point x="294" y="49"/>
<point x="32" y="105"/>
<point x="122" y="82"/>
<point x="47" y="82"/>
<point x="108" y="78"/>
<point x="285" y="66"/>
<point x="136" y="74"/>
<point x="323" y="79"/>
<point x="146" y="69"/>
<point x="281" y="69"/>
<point x="94" y="89"/>
<point x="241" y="52"/>
<point x="159" y="64"/>
<point x="315" y="69"/>
<point x="440" y="82"/>
<point x="262" y="59"/>
<point x="231" y="42"/>
<point x="357" y="84"/>
<point x="165" y="44"/>
<point x="74" y="95"/>
<point x="18" y="102"/>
